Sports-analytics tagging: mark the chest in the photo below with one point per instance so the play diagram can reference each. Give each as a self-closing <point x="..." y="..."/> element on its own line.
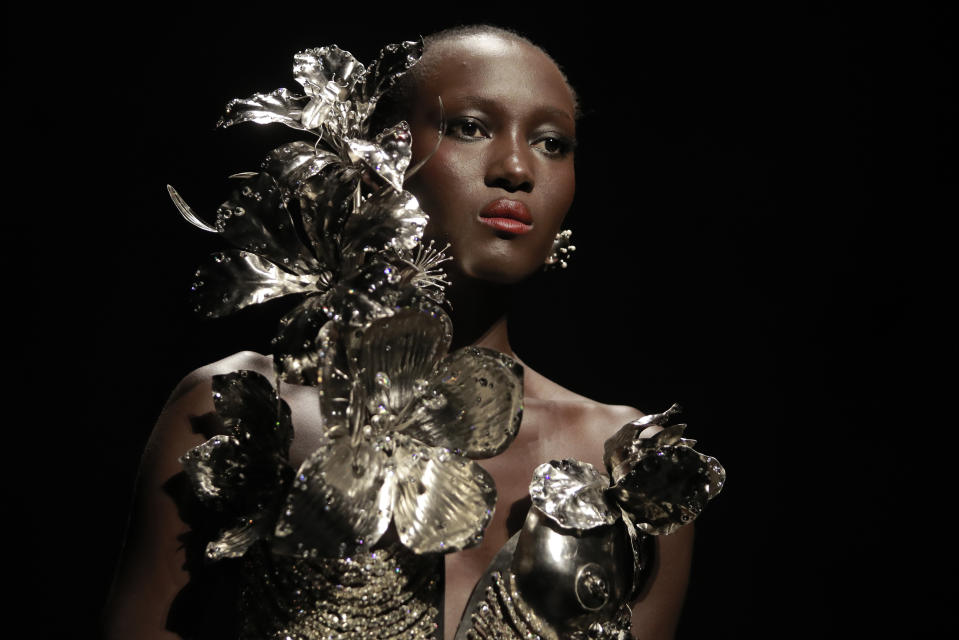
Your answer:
<point x="549" y="431"/>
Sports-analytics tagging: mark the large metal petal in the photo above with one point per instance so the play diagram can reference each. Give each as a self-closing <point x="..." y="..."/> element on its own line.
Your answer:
<point x="443" y="501"/>
<point x="388" y="156"/>
<point x="571" y="493"/>
<point x="247" y="404"/>
<point x="295" y="355"/>
<point x="393" y="61"/>
<point x="668" y="487"/>
<point x="295" y="162"/>
<point x="264" y="108"/>
<point x="256" y="219"/>
<point x="387" y="220"/>
<point x="393" y="357"/>
<point x="342" y="496"/>
<point x="232" y="280"/>
<point x="472" y="404"/>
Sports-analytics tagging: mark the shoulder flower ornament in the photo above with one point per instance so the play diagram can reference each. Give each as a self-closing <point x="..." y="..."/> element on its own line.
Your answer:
<point x="562" y="576"/>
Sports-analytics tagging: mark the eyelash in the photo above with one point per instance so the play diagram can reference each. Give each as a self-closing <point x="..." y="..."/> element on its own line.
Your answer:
<point x="565" y="144"/>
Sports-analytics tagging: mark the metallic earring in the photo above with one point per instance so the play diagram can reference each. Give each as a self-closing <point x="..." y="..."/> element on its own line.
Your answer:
<point x="561" y="250"/>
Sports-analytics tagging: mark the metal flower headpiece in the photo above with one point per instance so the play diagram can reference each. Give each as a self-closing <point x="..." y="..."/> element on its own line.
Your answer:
<point x="323" y="213"/>
<point x="329" y="221"/>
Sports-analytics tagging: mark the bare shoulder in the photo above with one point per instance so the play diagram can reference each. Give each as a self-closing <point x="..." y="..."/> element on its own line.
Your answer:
<point x="243" y="360"/>
<point x="568" y="424"/>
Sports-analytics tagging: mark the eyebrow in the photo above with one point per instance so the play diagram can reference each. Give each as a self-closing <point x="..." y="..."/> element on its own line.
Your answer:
<point x="486" y="103"/>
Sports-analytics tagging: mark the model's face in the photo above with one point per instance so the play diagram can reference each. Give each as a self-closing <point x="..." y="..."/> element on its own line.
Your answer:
<point x="502" y="180"/>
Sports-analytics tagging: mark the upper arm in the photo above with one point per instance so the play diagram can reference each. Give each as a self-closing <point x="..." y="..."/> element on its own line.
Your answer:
<point x="656" y="613"/>
<point x="151" y="570"/>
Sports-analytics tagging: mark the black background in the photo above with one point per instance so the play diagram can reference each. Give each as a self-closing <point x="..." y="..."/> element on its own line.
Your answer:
<point x="759" y="216"/>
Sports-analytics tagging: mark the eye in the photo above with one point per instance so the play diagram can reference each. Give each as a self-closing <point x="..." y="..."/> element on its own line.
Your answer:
<point x="466" y="129"/>
<point x="556" y="146"/>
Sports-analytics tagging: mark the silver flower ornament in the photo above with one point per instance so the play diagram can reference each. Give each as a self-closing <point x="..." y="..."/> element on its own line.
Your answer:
<point x="340" y="94"/>
<point x="657" y="484"/>
<point x="244" y="473"/>
<point x="403" y="420"/>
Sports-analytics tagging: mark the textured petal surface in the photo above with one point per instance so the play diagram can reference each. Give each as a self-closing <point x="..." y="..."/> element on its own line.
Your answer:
<point x="264" y="108"/>
<point x="394" y="356"/>
<point x="571" y="493"/>
<point x="295" y="355"/>
<point x="472" y="404"/>
<point x="256" y="219"/>
<point x="443" y="501"/>
<point x="232" y="280"/>
<point x="387" y="220"/>
<point x="341" y="497"/>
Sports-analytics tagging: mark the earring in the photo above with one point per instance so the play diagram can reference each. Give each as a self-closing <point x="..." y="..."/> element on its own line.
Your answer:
<point x="561" y="250"/>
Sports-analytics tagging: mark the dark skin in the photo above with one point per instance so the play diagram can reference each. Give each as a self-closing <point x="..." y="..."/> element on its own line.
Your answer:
<point x="510" y="120"/>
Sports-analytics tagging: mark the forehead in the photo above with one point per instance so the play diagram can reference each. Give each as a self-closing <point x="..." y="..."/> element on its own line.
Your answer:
<point x="496" y="69"/>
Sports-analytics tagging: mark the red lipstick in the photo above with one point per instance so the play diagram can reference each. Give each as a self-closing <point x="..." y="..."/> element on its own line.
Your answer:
<point x="507" y="215"/>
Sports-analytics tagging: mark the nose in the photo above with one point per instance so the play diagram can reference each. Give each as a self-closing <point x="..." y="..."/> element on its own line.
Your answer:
<point x="510" y="165"/>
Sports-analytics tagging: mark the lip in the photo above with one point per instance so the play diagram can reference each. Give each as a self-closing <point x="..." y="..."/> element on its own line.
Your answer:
<point x="511" y="216"/>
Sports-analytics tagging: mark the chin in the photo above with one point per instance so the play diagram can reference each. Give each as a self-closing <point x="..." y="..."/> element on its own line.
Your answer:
<point x="499" y="271"/>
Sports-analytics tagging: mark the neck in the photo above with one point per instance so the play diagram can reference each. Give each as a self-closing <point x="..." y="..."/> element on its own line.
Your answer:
<point x="479" y="313"/>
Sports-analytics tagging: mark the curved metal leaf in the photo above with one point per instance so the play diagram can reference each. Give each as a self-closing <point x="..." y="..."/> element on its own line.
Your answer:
<point x="571" y="493"/>
<point x="187" y="212"/>
<point x="473" y="404"/>
<point x="264" y="108"/>
<point x="342" y="496"/>
<point x="232" y="280"/>
<point x="443" y="501"/>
